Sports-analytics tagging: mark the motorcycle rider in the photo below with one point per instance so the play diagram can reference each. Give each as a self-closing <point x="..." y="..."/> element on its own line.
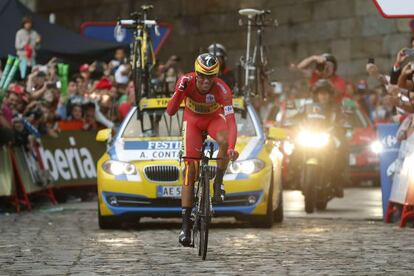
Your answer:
<point x="323" y="93"/>
<point x="226" y="74"/>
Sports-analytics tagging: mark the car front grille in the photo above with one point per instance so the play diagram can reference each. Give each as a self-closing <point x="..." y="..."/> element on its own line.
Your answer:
<point x="162" y="173"/>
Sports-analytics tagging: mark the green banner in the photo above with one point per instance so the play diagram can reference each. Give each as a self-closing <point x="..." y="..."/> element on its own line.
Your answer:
<point x="6" y="173"/>
<point x="71" y="158"/>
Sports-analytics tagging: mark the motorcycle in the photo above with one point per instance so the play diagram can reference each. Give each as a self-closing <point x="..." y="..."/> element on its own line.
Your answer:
<point x="317" y="149"/>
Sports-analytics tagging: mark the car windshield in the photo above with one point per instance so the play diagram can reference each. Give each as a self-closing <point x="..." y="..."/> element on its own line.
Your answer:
<point x="166" y="126"/>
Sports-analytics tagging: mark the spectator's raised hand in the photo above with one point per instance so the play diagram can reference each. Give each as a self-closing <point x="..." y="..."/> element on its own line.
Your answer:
<point x="407" y="69"/>
<point x="320" y="59"/>
<point x="401" y="56"/>
<point x="52" y="61"/>
<point x="38" y="39"/>
<point x="392" y="98"/>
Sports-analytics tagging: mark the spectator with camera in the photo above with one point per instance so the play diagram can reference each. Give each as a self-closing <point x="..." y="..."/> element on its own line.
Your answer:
<point x="405" y="79"/>
<point x="325" y="67"/>
<point x="379" y="111"/>
<point x="404" y="56"/>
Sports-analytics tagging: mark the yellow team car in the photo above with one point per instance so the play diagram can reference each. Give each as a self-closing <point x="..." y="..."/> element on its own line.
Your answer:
<point x="140" y="174"/>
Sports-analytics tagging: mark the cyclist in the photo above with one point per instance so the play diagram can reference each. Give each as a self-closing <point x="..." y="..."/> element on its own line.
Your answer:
<point x="226" y="74"/>
<point x="208" y="107"/>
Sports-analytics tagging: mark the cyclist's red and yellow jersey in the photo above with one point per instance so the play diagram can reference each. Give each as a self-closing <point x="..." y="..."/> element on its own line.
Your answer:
<point x="204" y="107"/>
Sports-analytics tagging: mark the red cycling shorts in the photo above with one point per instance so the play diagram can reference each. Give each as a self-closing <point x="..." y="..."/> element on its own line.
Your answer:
<point x="193" y="127"/>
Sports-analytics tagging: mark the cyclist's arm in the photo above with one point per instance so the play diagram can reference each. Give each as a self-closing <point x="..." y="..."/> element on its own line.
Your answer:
<point x="231" y="124"/>
<point x="227" y="103"/>
<point x="178" y="97"/>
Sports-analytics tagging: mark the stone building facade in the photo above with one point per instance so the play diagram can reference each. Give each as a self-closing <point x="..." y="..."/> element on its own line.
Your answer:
<point x="352" y="30"/>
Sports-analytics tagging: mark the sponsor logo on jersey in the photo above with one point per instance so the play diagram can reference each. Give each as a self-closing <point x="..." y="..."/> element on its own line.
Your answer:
<point x="201" y="107"/>
<point x="210" y="98"/>
<point x="228" y="109"/>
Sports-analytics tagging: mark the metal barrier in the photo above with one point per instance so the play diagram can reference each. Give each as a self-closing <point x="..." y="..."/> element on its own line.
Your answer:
<point x="48" y="164"/>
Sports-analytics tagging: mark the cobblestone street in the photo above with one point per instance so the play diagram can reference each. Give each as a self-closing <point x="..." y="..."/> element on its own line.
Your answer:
<point x="67" y="241"/>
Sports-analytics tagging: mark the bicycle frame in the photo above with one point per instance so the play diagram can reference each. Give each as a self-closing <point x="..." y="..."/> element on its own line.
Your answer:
<point x="203" y="206"/>
<point x="251" y="64"/>
<point x="142" y="52"/>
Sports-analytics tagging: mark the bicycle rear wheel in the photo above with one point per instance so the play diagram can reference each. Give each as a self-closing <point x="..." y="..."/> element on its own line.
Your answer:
<point x="205" y="215"/>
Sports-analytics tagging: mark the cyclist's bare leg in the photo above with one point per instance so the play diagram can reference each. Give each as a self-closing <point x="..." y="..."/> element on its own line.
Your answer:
<point x="221" y="139"/>
<point x="187" y="198"/>
<point x="187" y="194"/>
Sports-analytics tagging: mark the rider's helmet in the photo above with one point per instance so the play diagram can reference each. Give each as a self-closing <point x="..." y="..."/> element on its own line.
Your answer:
<point x="217" y="50"/>
<point x="207" y="64"/>
<point x="323" y="85"/>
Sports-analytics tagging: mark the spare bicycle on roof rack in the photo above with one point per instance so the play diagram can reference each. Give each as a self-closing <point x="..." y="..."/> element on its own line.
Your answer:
<point x="149" y="99"/>
<point x="255" y="85"/>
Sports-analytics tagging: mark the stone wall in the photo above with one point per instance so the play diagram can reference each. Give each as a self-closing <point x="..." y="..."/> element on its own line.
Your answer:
<point x="352" y="30"/>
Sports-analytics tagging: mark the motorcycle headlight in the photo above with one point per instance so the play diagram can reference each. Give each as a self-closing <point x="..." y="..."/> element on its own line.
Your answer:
<point x="288" y="147"/>
<point x="313" y="139"/>
<point x="117" y="167"/>
<point x="376" y="147"/>
<point x="246" y="166"/>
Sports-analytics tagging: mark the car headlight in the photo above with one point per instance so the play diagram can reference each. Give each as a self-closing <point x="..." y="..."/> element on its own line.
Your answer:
<point x="246" y="166"/>
<point x="376" y="147"/>
<point x="313" y="139"/>
<point x="117" y="167"/>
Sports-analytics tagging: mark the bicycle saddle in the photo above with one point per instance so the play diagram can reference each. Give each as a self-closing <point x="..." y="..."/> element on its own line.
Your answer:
<point x="251" y="12"/>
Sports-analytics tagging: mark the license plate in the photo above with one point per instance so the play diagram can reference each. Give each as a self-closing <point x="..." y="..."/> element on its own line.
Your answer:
<point x="169" y="191"/>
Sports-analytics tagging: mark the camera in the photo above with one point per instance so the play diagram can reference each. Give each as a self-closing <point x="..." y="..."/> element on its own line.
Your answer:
<point x="54" y="85"/>
<point x="51" y="85"/>
<point x="409" y="52"/>
<point x="410" y="57"/>
<point x="320" y="67"/>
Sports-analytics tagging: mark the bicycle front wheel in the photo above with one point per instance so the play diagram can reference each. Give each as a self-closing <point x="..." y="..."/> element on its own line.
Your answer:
<point x="205" y="216"/>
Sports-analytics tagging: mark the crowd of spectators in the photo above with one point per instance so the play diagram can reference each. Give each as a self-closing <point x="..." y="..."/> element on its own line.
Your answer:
<point x="97" y="95"/>
<point x="384" y="98"/>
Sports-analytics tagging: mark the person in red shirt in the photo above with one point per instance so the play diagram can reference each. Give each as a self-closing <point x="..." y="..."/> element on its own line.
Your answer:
<point x="208" y="107"/>
<point x="325" y="68"/>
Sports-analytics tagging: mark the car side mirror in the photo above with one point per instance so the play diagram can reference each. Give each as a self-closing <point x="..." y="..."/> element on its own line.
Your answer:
<point x="276" y="133"/>
<point x="103" y="135"/>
